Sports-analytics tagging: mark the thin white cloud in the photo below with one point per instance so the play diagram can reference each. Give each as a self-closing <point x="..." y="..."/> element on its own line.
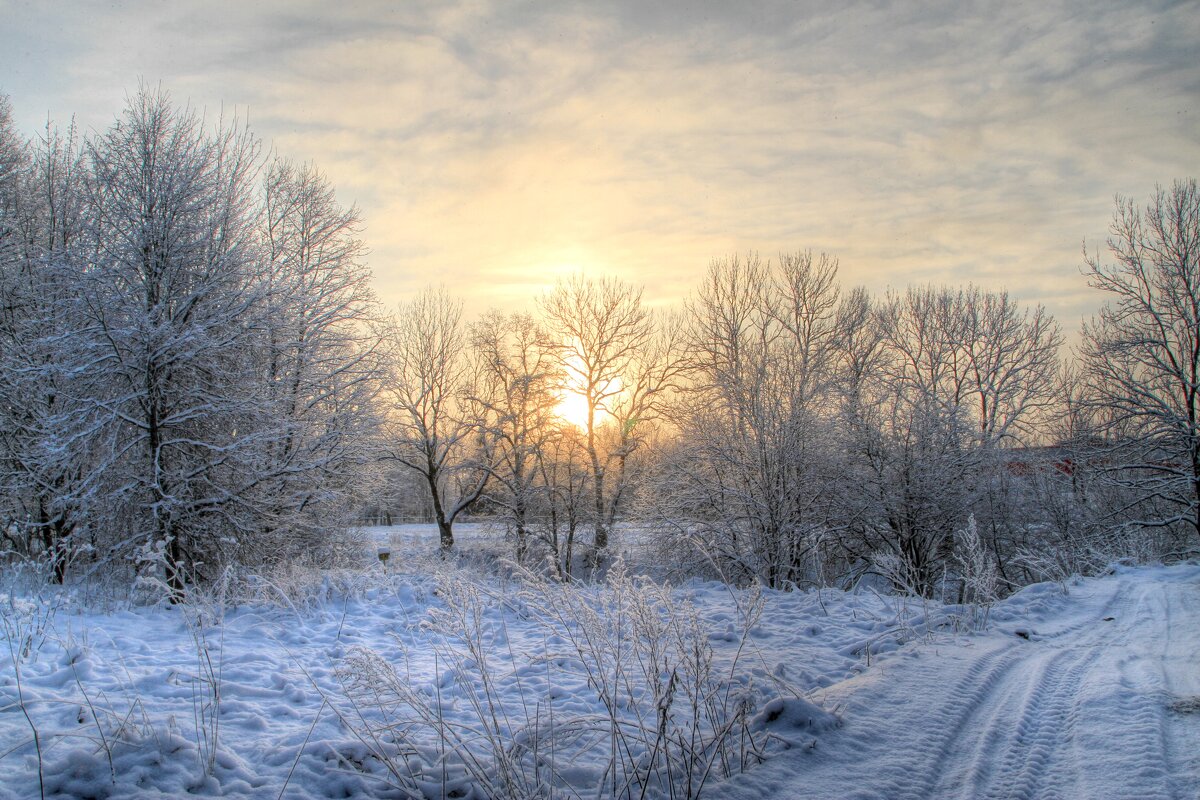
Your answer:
<point x="493" y="146"/>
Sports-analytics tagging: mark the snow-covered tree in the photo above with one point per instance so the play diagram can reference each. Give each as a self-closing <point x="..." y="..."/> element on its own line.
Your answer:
<point x="169" y="299"/>
<point x="618" y="362"/>
<point x="959" y="374"/>
<point x="318" y="350"/>
<point x="1143" y="356"/>
<point x="753" y="468"/>
<point x="12" y="163"/>
<point x="48" y="431"/>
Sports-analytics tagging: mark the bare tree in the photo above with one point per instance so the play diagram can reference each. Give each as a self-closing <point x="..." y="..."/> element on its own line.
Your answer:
<point x="518" y="373"/>
<point x="1011" y="363"/>
<point x="957" y="375"/>
<point x="1143" y="355"/>
<point x="638" y="418"/>
<point x="437" y="425"/>
<point x="604" y="332"/>
<point x="756" y="421"/>
<point x="564" y="472"/>
<point x="803" y="302"/>
<point x="1012" y="357"/>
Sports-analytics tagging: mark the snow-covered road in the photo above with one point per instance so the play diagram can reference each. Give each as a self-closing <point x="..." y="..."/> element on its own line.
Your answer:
<point x="1103" y="702"/>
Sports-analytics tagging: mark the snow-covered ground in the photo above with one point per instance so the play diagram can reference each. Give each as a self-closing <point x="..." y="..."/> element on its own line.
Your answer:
<point x="1092" y="693"/>
<point x="486" y="540"/>
<point x="1092" y="696"/>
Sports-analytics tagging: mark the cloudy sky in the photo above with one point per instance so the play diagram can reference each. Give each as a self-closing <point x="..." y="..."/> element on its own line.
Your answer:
<point x="495" y="146"/>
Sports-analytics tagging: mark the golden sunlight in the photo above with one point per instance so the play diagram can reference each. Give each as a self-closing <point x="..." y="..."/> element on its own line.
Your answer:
<point x="572" y="405"/>
<point x="572" y="408"/>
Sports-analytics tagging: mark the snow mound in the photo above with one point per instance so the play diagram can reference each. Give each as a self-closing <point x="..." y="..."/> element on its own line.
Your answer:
<point x="795" y="720"/>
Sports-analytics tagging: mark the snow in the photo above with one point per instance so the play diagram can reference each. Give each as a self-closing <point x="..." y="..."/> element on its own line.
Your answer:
<point x="1086" y="707"/>
<point x="862" y="695"/>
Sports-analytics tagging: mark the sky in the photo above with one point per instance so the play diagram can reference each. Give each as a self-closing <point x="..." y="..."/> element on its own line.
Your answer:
<point x="495" y="147"/>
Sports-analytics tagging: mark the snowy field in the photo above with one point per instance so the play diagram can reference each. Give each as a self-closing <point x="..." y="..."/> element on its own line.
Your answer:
<point x="1090" y="693"/>
<point x="422" y="539"/>
<point x="486" y="540"/>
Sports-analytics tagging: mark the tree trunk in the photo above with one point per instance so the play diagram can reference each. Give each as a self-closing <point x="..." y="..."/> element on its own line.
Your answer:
<point x="520" y="529"/>
<point x="1196" y="490"/>
<point x="445" y="530"/>
<point x="445" y="536"/>
<point x="175" y="570"/>
<point x="600" y="540"/>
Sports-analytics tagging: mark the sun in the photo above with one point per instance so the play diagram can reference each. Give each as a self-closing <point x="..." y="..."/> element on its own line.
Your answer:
<point x="572" y="409"/>
<point x="571" y="404"/>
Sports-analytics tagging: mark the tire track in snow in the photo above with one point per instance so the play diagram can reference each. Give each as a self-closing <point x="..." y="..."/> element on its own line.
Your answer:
<point x="1038" y="734"/>
<point x="1181" y="681"/>
<point x="1004" y="743"/>
<point x="1131" y="724"/>
<point x="1044" y="757"/>
<point x="1079" y="711"/>
<point x="1065" y="769"/>
<point x="1010" y="722"/>
<point x="962" y="706"/>
<point x="980" y="740"/>
<point x="1033" y="746"/>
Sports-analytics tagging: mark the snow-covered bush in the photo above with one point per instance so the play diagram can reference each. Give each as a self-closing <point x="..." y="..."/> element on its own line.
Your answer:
<point x="28" y="605"/>
<point x="622" y="699"/>
<point x="977" y="573"/>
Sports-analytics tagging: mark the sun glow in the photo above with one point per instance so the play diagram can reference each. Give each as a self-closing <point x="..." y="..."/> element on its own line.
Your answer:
<point x="572" y="404"/>
<point x="572" y="409"/>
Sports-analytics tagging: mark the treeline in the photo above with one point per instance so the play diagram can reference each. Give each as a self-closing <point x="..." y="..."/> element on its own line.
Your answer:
<point x="782" y="430"/>
<point x="195" y="373"/>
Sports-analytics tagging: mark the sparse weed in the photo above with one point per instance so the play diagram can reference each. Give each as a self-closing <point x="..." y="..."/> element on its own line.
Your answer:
<point x="651" y="713"/>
